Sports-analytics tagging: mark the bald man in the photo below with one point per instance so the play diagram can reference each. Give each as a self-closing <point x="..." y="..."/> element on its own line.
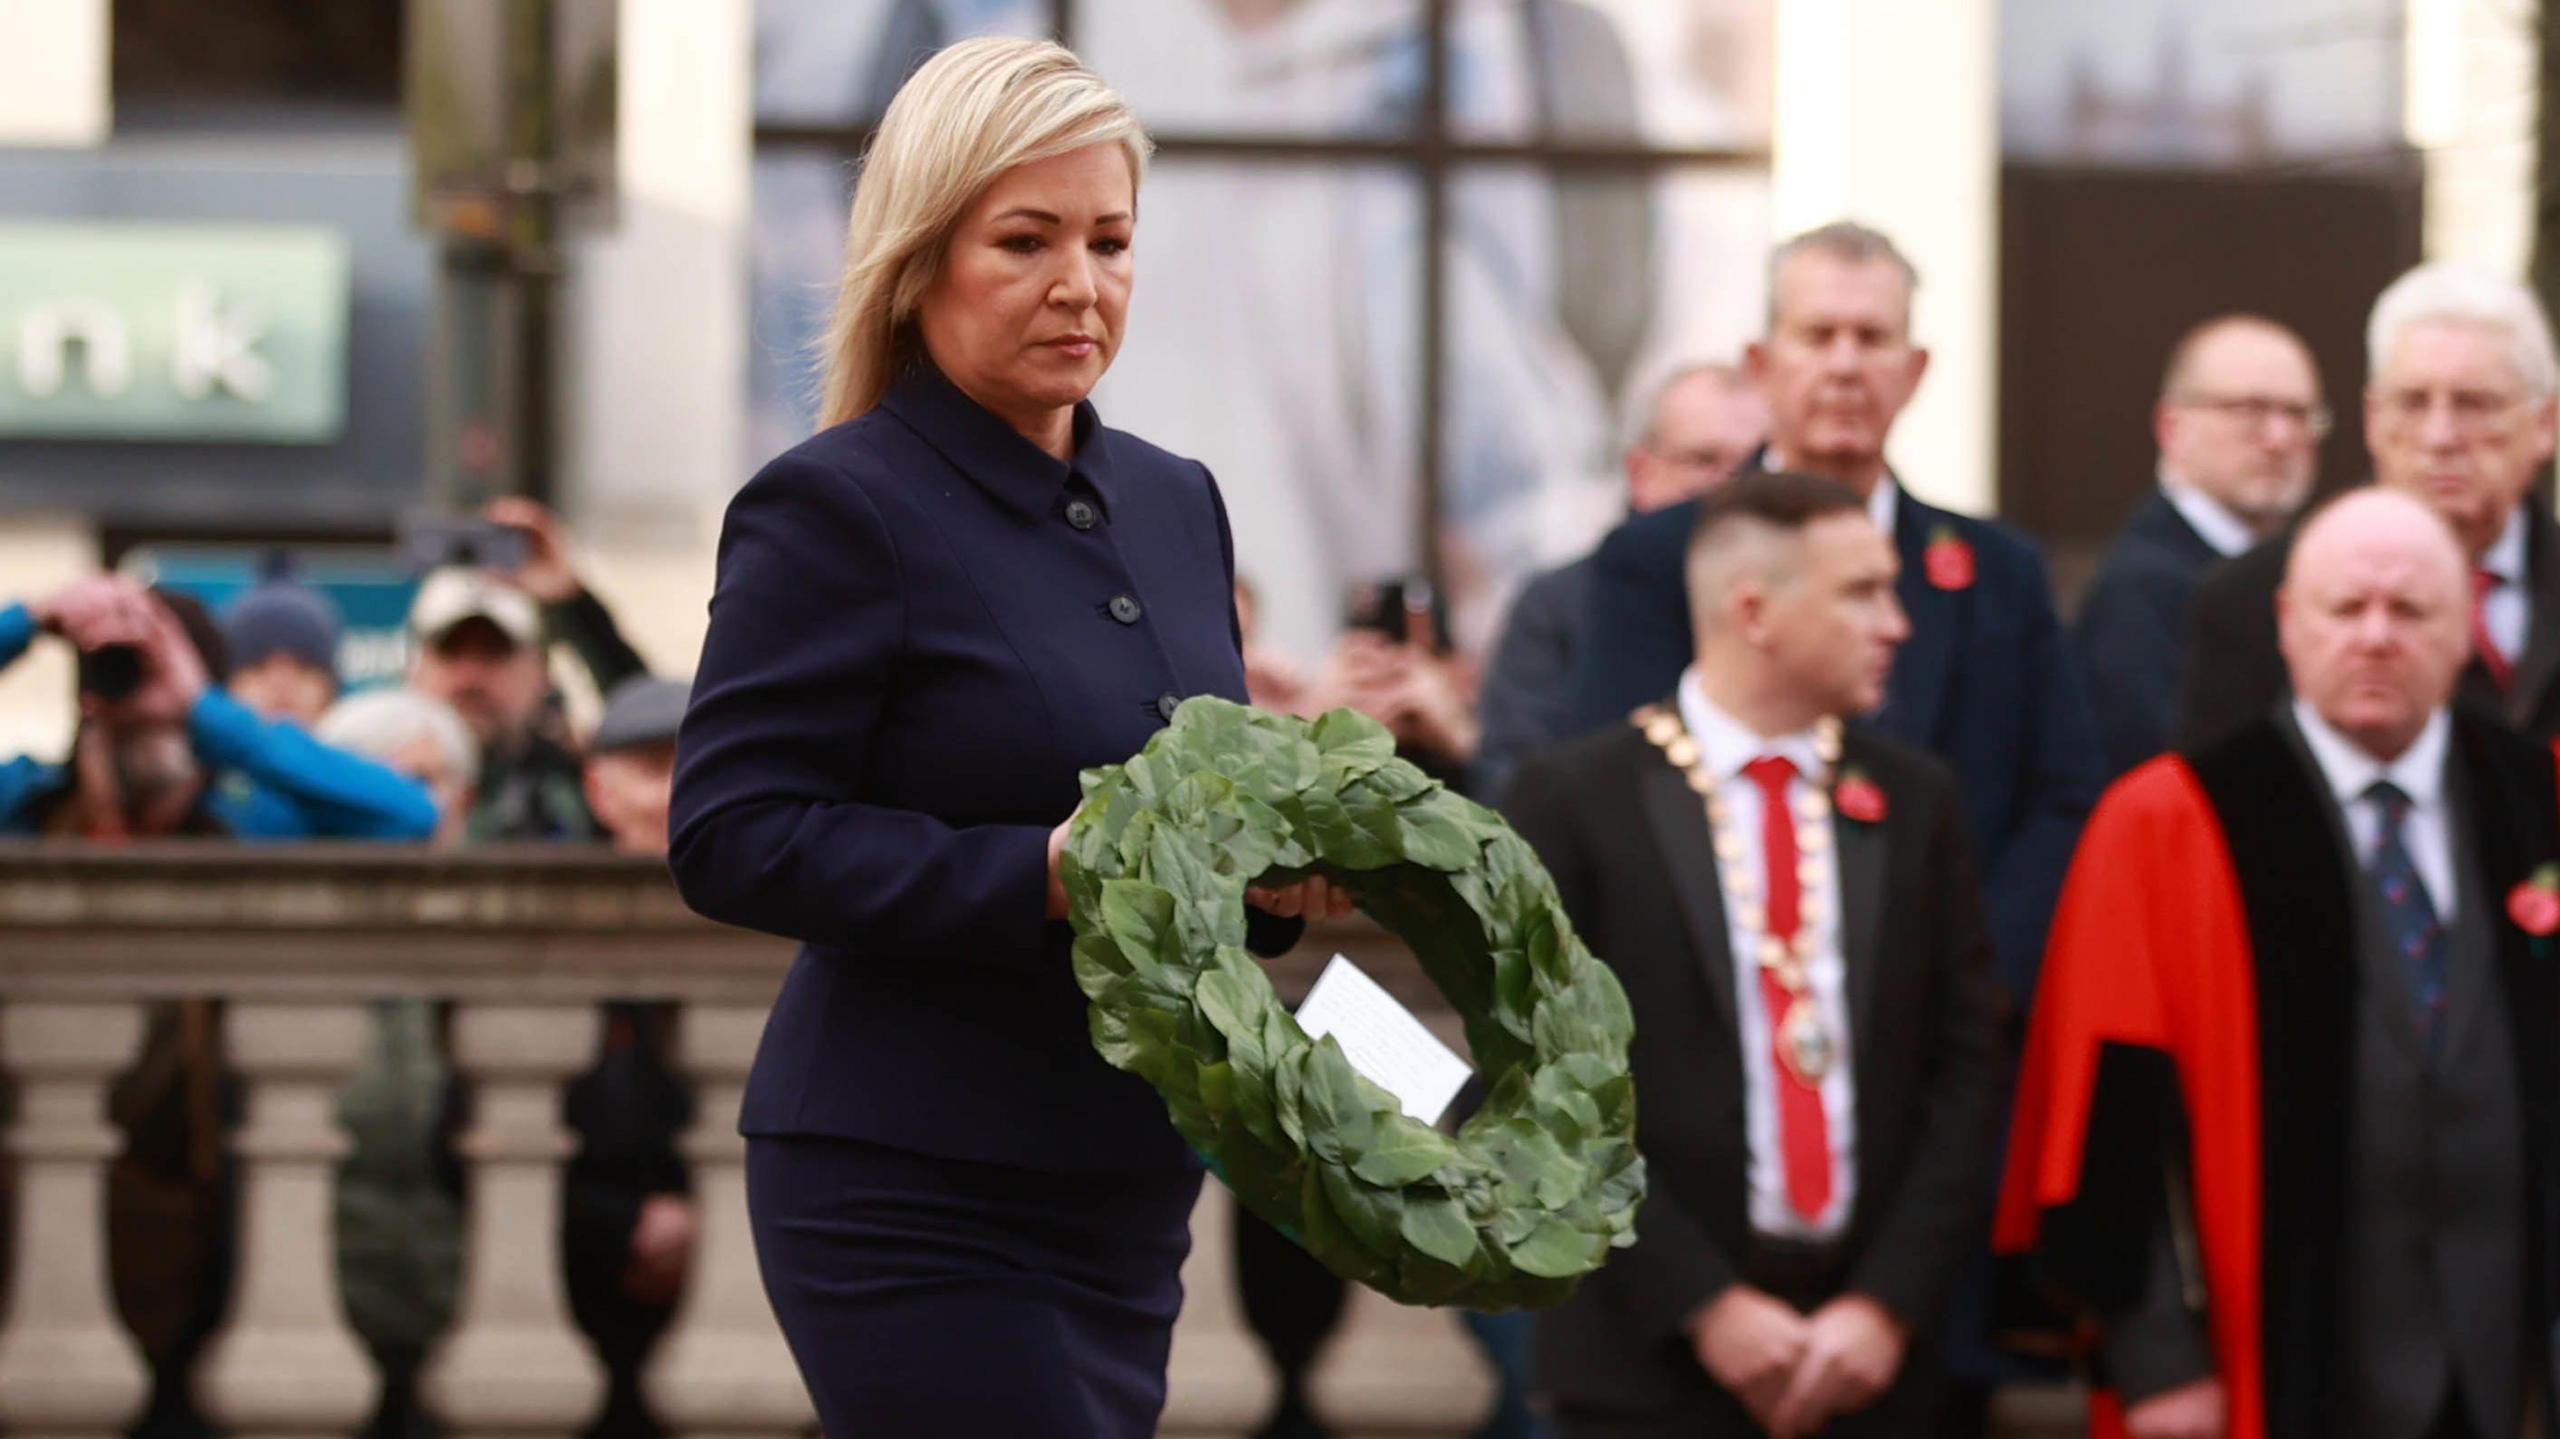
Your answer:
<point x="2297" y="1029"/>
<point x="2239" y="424"/>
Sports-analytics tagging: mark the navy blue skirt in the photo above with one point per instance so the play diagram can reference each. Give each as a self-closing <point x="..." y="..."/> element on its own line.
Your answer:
<point x="925" y="1296"/>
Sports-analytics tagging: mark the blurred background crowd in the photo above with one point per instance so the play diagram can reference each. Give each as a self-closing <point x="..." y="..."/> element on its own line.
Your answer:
<point x="372" y="377"/>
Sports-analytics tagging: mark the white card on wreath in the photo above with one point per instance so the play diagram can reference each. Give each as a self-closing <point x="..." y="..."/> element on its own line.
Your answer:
<point x="1391" y="1049"/>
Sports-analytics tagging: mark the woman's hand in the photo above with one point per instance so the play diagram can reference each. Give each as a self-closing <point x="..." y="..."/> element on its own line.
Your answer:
<point x="1310" y="898"/>
<point x="1057" y="847"/>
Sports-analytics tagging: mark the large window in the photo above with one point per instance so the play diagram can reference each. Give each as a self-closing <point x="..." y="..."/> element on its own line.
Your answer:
<point x="1404" y="264"/>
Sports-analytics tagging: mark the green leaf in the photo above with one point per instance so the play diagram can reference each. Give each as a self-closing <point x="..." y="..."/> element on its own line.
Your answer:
<point x="1556" y="1250"/>
<point x="1139" y="917"/>
<point x="1405" y="1152"/>
<point x="1439" y="1228"/>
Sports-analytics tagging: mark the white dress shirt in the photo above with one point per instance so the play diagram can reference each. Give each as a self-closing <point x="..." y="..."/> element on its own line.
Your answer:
<point x="2213" y="521"/>
<point x="2419" y="772"/>
<point x="2507" y="610"/>
<point x="1725" y="745"/>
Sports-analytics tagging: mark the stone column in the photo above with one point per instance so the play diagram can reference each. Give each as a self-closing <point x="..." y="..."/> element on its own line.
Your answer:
<point x="286" y="1362"/>
<point x="514" y="1364"/>
<point x="723" y="1369"/>
<point x="1217" y="1382"/>
<point x="67" y="1368"/>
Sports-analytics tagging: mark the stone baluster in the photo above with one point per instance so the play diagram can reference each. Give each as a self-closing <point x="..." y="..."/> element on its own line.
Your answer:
<point x="285" y="1362"/>
<point x="514" y="1364"/>
<point x="1218" y="1383"/>
<point x="1390" y="1369"/>
<point x="723" y="1369"/>
<point x="68" y="1370"/>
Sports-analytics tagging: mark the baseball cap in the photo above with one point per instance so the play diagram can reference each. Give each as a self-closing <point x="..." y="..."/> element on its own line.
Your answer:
<point x="449" y="596"/>
<point x="641" y="711"/>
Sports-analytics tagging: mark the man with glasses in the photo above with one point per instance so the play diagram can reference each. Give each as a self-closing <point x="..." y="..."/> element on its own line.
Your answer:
<point x="2239" y="424"/>
<point x="2460" y="414"/>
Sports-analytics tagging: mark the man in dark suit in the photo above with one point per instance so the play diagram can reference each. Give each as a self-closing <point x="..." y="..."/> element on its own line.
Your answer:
<point x="2309" y="966"/>
<point x="2460" y="413"/>
<point x="1985" y="681"/>
<point x="1701" y="425"/>
<point x="2239" y="423"/>
<point x="1793" y="911"/>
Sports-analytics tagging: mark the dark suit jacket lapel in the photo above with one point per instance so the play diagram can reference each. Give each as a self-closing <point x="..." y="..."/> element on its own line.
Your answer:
<point x="2539" y="665"/>
<point x="1916" y="690"/>
<point x="2160" y="522"/>
<point x="1863" y="851"/>
<point x="1678" y="819"/>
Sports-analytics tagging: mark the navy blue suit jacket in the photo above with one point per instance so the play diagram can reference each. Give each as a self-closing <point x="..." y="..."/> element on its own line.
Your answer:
<point x="1985" y="682"/>
<point x="924" y="628"/>
<point x="2131" y="632"/>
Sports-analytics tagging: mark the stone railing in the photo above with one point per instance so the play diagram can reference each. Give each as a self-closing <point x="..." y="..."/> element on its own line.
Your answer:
<point x="296" y="944"/>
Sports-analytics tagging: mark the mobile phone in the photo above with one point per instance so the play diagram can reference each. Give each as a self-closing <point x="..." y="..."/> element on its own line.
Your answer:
<point x="434" y="543"/>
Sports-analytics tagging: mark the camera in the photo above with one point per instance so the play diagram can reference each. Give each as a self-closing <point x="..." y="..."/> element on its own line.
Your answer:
<point x="111" y="672"/>
<point x="429" y="544"/>
<point x="1397" y="607"/>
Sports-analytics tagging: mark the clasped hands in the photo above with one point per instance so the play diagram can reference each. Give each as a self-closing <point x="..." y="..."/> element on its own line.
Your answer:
<point x="1311" y="898"/>
<point x="1797" y="1372"/>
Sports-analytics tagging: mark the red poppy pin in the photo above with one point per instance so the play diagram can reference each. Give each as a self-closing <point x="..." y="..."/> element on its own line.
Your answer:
<point x="2534" y="904"/>
<point x="1948" y="559"/>
<point x="1857" y="797"/>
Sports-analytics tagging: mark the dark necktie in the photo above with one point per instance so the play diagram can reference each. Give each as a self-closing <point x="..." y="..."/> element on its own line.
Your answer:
<point x="2408" y="915"/>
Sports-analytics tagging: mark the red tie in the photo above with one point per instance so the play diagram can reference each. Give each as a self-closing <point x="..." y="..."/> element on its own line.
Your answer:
<point x="2492" y="658"/>
<point x="1804" y="1136"/>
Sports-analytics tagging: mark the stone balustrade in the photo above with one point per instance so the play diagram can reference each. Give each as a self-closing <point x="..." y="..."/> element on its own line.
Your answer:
<point x="296" y="944"/>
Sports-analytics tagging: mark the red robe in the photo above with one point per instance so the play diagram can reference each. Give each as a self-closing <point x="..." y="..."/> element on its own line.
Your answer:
<point x="2207" y="896"/>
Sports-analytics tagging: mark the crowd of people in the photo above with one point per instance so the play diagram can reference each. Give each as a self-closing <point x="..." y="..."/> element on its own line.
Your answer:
<point x="2221" y="622"/>
<point x="235" y="725"/>
<point x="2205" y="939"/>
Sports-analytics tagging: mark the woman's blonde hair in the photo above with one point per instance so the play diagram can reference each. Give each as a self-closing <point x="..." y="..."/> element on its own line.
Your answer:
<point x="972" y="112"/>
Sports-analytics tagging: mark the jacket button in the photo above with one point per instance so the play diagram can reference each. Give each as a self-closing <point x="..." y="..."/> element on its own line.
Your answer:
<point x="1126" y="609"/>
<point x="1082" y="514"/>
<point x="1167" y="703"/>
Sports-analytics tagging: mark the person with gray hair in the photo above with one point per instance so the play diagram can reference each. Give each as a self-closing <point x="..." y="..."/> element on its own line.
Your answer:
<point x="2460" y="413"/>
<point x="1698" y="425"/>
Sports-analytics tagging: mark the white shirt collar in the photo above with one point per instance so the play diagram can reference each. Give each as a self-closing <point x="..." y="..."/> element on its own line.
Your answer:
<point x="2419" y="771"/>
<point x="1884" y="503"/>
<point x="1726" y="744"/>
<point x="2505" y="555"/>
<point x="2212" y="520"/>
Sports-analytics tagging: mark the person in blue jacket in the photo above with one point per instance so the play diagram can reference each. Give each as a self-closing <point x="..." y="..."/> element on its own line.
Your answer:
<point x="162" y="750"/>
<point x="929" y="618"/>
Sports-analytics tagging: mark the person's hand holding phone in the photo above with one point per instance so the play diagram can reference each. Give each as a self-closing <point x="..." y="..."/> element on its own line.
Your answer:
<point x="543" y="571"/>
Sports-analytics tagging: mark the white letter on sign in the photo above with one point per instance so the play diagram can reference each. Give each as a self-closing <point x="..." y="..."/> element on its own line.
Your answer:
<point x="46" y="334"/>
<point x="216" y="348"/>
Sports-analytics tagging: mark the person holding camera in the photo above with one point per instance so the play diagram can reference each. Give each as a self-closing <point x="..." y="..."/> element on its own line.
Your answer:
<point x="480" y="649"/>
<point x="163" y="750"/>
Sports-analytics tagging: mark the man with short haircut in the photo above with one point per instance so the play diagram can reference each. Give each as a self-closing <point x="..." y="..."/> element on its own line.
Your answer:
<point x="1702" y="423"/>
<point x="2239" y="424"/>
<point x="1792" y="908"/>
<point x="2460" y="413"/>
<point x="1985" y="682"/>
<point x="2283" y="1125"/>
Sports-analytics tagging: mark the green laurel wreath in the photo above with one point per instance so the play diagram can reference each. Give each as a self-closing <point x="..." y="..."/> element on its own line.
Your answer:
<point x="1539" y="1184"/>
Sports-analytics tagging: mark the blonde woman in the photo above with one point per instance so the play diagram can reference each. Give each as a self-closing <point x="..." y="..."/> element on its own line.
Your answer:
<point x="930" y="616"/>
